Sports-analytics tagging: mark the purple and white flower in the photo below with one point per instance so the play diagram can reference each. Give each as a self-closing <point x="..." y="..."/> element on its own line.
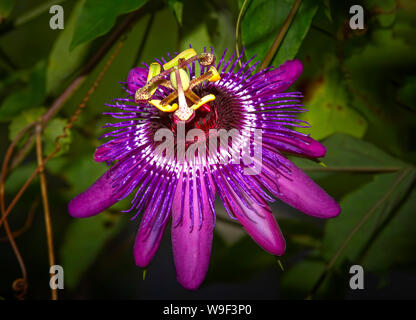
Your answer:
<point x="166" y="188"/>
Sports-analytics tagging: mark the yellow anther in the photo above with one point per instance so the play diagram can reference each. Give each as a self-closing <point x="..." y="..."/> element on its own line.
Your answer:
<point x="154" y="70"/>
<point x="164" y="108"/>
<point x="215" y="75"/>
<point x="203" y="100"/>
<point x="184" y="79"/>
<point x="188" y="53"/>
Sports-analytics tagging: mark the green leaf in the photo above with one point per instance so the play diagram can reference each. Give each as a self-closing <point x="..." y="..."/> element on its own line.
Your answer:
<point x="229" y="258"/>
<point x="54" y="129"/>
<point x="84" y="240"/>
<point x="388" y="7"/>
<point x="327" y="9"/>
<point x="407" y="93"/>
<point x="177" y="7"/>
<point x="363" y="213"/>
<point x="98" y="17"/>
<point x="395" y="245"/>
<point x="18" y="177"/>
<point x="6" y="7"/>
<point x="299" y="280"/>
<point x="30" y="96"/>
<point x="328" y="102"/>
<point x="263" y="20"/>
<point x="83" y="172"/>
<point x="221" y="29"/>
<point x="195" y="29"/>
<point x="25" y="118"/>
<point x="208" y="24"/>
<point x="62" y="62"/>
<point x="345" y="151"/>
<point x="374" y="72"/>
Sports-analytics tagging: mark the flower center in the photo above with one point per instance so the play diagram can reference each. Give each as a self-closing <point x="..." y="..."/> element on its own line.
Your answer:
<point x="180" y="84"/>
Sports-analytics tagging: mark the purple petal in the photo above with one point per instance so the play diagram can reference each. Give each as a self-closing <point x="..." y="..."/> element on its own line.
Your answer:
<point x="191" y="232"/>
<point x="136" y="79"/>
<point x="302" y="193"/>
<point x="299" y="145"/>
<point x="148" y="240"/>
<point x="287" y="73"/>
<point x="95" y="199"/>
<point x="258" y="222"/>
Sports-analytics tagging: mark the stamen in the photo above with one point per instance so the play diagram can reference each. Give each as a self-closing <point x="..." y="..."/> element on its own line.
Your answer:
<point x="212" y="75"/>
<point x="162" y="107"/>
<point x="185" y="55"/>
<point x="146" y="92"/>
<point x="180" y="84"/>
<point x="154" y="70"/>
<point x="215" y="76"/>
<point x="203" y="100"/>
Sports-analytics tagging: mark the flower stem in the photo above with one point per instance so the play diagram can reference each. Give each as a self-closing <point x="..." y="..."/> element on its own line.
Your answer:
<point x="45" y="202"/>
<point x="237" y="30"/>
<point x="279" y="38"/>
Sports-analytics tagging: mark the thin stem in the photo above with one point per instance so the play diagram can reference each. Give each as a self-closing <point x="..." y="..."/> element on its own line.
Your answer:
<point x="59" y="102"/>
<point x="144" y="39"/>
<point x="51" y="155"/>
<point x="237" y="30"/>
<point x="17" y="233"/>
<point x="36" y="12"/>
<point x="19" y="285"/>
<point x="56" y="105"/>
<point x="22" y="154"/>
<point x="353" y="232"/>
<point x="7" y="62"/>
<point x="4" y="168"/>
<point x="279" y="38"/>
<point x="45" y="203"/>
<point x="28" y="16"/>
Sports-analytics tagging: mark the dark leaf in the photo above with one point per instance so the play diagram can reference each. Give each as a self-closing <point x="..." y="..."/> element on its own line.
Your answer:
<point x="84" y="240"/>
<point x="364" y="211"/>
<point x="264" y="18"/>
<point x="62" y="62"/>
<point x="30" y="96"/>
<point x="98" y="17"/>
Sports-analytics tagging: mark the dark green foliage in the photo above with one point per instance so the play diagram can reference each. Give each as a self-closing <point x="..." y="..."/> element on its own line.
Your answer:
<point x="359" y="86"/>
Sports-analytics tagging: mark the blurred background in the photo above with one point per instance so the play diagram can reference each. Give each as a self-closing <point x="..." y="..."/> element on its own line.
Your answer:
<point x="359" y="87"/>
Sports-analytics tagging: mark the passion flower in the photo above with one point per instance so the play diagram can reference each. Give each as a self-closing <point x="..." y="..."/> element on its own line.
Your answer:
<point x="192" y="93"/>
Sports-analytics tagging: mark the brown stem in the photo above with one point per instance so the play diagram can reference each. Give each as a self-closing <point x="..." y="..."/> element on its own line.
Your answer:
<point x="45" y="203"/>
<point x="56" y="105"/>
<point x="279" y="38"/>
<point x="20" y="285"/>
<point x="22" y="154"/>
<point x="237" y="30"/>
<point x="17" y="233"/>
<point x="53" y="153"/>
<point x="88" y="68"/>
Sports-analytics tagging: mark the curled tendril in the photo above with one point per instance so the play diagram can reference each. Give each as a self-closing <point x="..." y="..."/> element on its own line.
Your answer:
<point x="19" y="287"/>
